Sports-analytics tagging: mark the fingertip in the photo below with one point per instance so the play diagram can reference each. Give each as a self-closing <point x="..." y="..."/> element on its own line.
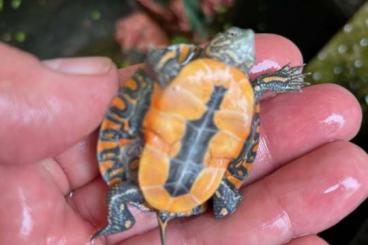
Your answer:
<point x="344" y="111"/>
<point x="308" y="240"/>
<point x="274" y="51"/>
<point x="50" y="107"/>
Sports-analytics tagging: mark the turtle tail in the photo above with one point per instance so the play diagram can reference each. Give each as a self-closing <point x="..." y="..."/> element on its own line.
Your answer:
<point x="163" y="218"/>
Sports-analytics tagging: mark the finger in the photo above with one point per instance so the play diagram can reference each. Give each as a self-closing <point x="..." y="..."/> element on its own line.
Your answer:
<point x="273" y="52"/>
<point x="297" y="200"/>
<point x="51" y="105"/>
<point x="79" y="162"/>
<point x="34" y="211"/>
<point x="293" y="124"/>
<point x="308" y="240"/>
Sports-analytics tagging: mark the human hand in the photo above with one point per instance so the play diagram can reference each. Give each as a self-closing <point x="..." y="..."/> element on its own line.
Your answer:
<point x="307" y="176"/>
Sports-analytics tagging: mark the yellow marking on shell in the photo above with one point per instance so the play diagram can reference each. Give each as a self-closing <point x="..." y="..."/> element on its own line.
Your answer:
<point x="122" y="207"/>
<point x="275" y="78"/>
<point x="255" y="148"/>
<point x="114" y="182"/>
<point x="183" y="53"/>
<point x="105" y="165"/>
<point x="169" y="55"/>
<point x="131" y="84"/>
<point x="107" y="124"/>
<point x="102" y="145"/>
<point x="116" y="172"/>
<point x="119" y="103"/>
<point x="124" y="141"/>
<point x="236" y="182"/>
<point x="247" y="166"/>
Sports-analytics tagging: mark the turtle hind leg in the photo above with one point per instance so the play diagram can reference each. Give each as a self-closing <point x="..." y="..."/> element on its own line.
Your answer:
<point x="119" y="216"/>
<point x="226" y="200"/>
<point x="227" y="197"/>
<point x="287" y="79"/>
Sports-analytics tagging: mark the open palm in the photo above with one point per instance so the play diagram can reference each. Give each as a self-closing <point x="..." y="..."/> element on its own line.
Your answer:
<point x="307" y="176"/>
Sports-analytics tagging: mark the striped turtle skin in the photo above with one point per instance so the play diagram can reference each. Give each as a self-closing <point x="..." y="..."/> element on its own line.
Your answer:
<point x="184" y="130"/>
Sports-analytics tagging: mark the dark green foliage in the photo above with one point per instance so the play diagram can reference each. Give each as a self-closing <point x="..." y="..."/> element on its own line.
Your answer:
<point x="344" y="60"/>
<point x="163" y="2"/>
<point x="196" y="17"/>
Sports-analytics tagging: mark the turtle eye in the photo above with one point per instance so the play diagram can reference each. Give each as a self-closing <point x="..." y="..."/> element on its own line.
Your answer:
<point x="232" y="33"/>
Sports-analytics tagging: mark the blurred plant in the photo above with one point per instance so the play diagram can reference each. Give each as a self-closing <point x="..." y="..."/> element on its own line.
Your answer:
<point x="168" y="21"/>
<point x="344" y="60"/>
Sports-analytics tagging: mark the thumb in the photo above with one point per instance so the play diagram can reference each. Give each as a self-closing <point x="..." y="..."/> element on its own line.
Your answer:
<point x="47" y="106"/>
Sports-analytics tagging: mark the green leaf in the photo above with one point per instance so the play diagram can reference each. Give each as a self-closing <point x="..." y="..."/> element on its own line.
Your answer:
<point x="195" y="15"/>
<point x="179" y="39"/>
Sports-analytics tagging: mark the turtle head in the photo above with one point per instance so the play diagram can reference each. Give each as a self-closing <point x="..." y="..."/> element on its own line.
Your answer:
<point x="234" y="47"/>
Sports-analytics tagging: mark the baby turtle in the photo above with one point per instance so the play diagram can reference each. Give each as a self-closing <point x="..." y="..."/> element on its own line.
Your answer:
<point x="185" y="129"/>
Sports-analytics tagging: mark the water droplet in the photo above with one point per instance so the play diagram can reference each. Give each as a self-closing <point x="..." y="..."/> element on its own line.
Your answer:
<point x="363" y="42"/>
<point x="348" y="28"/>
<point x="358" y="63"/>
<point x="342" y="48"/>
<point x="316" y="76"/>
<point x="338" y="70"/>
<point x="322" y="55"/>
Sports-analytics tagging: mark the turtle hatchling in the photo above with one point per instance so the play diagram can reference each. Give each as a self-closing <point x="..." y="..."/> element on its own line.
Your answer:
<point x="183" y="132"/>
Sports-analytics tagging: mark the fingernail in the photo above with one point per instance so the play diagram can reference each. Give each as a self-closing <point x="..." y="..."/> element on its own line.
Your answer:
<point x="80" y="66"/>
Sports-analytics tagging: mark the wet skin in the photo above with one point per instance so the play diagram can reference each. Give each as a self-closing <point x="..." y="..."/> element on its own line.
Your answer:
<point x="307" y="176"/>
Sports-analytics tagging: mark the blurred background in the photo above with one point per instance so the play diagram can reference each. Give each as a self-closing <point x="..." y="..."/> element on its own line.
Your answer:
<point x="332" y="34"/>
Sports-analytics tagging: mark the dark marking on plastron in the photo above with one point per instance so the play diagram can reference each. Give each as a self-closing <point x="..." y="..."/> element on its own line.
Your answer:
<point x="187" y="164"/>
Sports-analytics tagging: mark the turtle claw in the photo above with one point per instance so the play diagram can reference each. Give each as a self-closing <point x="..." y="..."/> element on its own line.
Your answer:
<point x="287" y="79"/>
<point x="113" y="228"/>
<point x="119" y="216"/>
<point x="225" y="200"/>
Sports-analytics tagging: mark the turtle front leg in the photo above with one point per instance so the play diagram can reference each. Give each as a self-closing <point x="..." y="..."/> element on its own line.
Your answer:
<point x="287" y="79"/>
<point x="227" y="196"/>
<point x="164" y="64"/>
<point x="119" y="216"/>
